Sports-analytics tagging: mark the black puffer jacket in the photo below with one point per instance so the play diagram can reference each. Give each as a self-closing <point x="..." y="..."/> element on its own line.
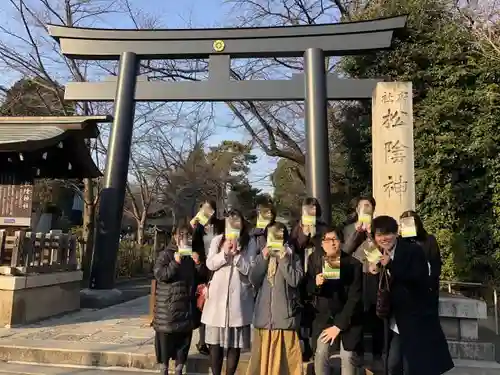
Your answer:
<point x="175" y="306"/>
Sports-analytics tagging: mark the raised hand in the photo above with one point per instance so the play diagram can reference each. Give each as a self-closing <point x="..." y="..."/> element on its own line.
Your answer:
<point x="196" y="257"/>
<point x="320" y="279"/>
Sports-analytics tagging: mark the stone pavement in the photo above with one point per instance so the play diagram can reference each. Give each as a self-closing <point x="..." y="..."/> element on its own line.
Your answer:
<point x="119" y="336"/>
<point x="115" y="337"/>
<point x="32" y="369"/>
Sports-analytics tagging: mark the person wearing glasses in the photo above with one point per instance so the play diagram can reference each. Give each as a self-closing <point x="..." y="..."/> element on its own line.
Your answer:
<point x="334" y="279"/>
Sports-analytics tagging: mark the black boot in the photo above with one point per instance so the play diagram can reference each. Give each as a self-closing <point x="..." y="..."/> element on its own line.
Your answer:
<point x="202" y="349"/>
<point x="307" y="353"/>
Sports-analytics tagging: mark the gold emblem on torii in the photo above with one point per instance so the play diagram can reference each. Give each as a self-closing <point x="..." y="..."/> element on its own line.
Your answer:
<point x="219" y="45"/>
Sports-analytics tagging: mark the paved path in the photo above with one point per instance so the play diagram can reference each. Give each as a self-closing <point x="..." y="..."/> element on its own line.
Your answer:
<point x="119" y="335"/>
<point x="30" y="369"/>
<point x="121" y="327"/>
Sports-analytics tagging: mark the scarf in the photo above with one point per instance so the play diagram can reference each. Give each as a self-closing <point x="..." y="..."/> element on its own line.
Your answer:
<point x="272" y="268"/>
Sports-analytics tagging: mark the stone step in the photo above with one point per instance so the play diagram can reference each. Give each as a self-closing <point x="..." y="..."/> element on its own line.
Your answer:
<point x="73" y="355"/>
<point x="95" y="354"/>
<point x="197" y="364"/>
<point x="472" y="350"/>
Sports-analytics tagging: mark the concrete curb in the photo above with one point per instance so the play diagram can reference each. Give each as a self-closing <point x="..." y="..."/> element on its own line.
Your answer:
<point x="95" y="358"/>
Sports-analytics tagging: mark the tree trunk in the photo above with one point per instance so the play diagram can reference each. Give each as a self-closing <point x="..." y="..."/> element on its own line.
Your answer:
<point x="88" y="227"/>
<point x="141" y="225"/>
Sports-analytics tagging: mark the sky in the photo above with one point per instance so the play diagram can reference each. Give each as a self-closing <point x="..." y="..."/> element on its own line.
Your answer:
<point x="179" y="14"/>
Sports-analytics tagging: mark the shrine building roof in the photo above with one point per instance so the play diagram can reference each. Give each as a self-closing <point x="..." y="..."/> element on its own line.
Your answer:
<point x="49" y="147"/>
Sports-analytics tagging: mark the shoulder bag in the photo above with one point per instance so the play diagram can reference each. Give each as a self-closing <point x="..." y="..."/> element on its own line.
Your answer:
<point x="383" y="305"/>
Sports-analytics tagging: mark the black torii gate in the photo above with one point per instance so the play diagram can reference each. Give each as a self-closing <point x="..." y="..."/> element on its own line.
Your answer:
<point x="219" y="46"/>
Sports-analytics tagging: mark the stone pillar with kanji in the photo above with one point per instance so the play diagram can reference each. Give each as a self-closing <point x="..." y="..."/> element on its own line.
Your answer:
<point x="392" y="148"/>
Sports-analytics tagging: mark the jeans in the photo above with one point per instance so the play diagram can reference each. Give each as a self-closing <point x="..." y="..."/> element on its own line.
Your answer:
<point x="322" y="360"/>
<point x="397" y="363"/>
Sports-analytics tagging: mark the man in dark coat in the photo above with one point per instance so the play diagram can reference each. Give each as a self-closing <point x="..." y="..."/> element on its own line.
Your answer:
<point x="418" y="345"/>
<point x="337" y="303"/>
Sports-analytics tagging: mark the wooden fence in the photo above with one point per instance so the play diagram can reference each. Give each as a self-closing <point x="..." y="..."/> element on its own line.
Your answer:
<point x="29" y="252"/>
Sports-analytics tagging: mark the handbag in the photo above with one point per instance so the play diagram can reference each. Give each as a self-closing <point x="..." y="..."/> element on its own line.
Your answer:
<point x="383" y="304"/>
<point x="201" y="296"/>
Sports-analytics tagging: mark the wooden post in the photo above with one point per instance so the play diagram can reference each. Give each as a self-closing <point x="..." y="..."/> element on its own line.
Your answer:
<point x="17" y="250"/>
<point x="392" y="148"/>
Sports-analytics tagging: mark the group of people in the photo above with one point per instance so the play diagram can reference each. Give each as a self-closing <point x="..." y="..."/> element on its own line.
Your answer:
<point x="314" y="295"/>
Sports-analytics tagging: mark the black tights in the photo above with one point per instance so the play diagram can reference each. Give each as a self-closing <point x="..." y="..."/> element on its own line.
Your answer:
<point x="217" y="357"/>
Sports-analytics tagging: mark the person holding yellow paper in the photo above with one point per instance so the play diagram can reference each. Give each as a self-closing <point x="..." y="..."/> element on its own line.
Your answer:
<point x="266" y="215"/>
<point x="276" y="275"/>
<point x="203" y="234"/>
<point x="338" y="322"/>
<point x="228" y="310"/>
<point x="416" y="233"/>
<point x="359" y="244"/>
<point x="417" y="344"/>
<point x="175" y="315"/>
<point x="304" y="239"/>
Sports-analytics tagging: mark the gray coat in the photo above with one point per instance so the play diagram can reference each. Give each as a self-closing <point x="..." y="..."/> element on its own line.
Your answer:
<point x="278" y="306"/>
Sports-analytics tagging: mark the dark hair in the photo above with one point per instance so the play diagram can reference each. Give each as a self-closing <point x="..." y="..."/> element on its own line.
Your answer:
<point x="177" y="230"/>
<point x="333" y="229"/>
<point x="310" y="201"/>
<point x="244" y="236"/>
<point x="279" y="225"/>
<point x="368" y="198"/>
<point x="421" y="232"/>
<point x="270" y="206"/>
<point x="353" y="216"/>
<point x="384" y="225"/>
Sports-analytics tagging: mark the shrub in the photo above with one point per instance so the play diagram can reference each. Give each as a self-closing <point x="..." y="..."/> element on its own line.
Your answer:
<point x="134" y="260"/>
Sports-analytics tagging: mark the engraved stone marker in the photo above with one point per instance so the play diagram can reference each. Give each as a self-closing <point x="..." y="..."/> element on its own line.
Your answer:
<point x="392" y="148"/>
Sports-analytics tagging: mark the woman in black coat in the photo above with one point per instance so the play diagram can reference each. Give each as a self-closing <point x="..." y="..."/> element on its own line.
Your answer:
<point x="175" y="312"/>
<point x="429" y="245"/>
<point x="356" y="239"/>
<point x="338" y="305"/>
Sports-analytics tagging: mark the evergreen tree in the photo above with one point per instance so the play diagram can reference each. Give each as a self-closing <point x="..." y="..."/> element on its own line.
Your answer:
<point x="456" y="118"/>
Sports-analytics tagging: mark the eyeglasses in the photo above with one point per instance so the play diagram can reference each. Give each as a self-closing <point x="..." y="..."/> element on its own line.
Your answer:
<point x="330" y="240"/>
